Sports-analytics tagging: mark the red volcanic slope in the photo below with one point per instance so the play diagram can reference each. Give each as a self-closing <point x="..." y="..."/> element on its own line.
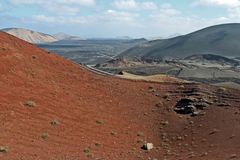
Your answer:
<point x="80" y="115"/>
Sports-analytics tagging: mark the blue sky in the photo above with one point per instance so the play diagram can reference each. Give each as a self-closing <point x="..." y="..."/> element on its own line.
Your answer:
<point x="117" y="18"/>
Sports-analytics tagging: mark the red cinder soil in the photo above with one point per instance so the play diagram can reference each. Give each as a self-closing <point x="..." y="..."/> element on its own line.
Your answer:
<point x="76" y="114"/>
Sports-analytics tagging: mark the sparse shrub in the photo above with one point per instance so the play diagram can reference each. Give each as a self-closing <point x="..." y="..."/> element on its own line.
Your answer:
<point x="87" y="150"/>
<point x="181" y="87"/>
<point x="140" y="140"/>
<point x="159" y="104"/>
<point x="213" y="131"/>
<point x="139" y="134"/>
<point x="3" y="149"/>
<point x="34" y="57"/>
<point x="166" y="96"/>
<point x="30" y="104"/>
<point x="211" y="145"/>
<point x="233" y="156"/>
<point x="99" y="122"/>
<point x="54" y="122"/>
<point x="164" y="123"/>
<point x="97" y="144"/>
<point x="113" y="133"/>
<point x="222" y="89"/>
<point x="89" y="155"/>
<point x="204" y="154"/>
<point x="45" y="136"/>
<point x="151" y="89"/>
<point x="232" y="136"/>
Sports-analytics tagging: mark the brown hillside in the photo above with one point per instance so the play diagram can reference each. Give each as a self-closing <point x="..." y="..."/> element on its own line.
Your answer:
<point x="52" y="109"/>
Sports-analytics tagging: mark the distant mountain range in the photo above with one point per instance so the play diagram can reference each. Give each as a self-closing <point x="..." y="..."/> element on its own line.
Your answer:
<point x="42" y="38"/>
<point x="38" y="37"/>
<point x="29" y="35"/>
<point x="63" y="36"/>
<point x="221" y="40"/>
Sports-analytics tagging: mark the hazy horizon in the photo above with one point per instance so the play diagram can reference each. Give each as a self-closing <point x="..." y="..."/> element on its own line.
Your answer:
<point x="118" y="18"/>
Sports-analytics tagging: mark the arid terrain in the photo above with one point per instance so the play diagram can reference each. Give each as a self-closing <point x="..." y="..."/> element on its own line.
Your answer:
<point x="52" y="109"/>
<point x="29" y="35"/>
<point x="209" y="55"/>
<point x="223" y="71"/>
<point x="91" y="51"/>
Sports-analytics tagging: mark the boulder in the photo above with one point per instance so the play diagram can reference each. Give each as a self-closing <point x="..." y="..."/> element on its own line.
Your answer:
<point x="195" y="113"/>
<point x="190" y="106"/>
<point x="147" y="146"/>
<point x="188" y="109"/>
<point x="201" y="105"/>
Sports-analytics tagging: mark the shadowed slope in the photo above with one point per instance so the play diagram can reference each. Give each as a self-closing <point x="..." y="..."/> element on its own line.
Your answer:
<point x="221" y="40"/>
